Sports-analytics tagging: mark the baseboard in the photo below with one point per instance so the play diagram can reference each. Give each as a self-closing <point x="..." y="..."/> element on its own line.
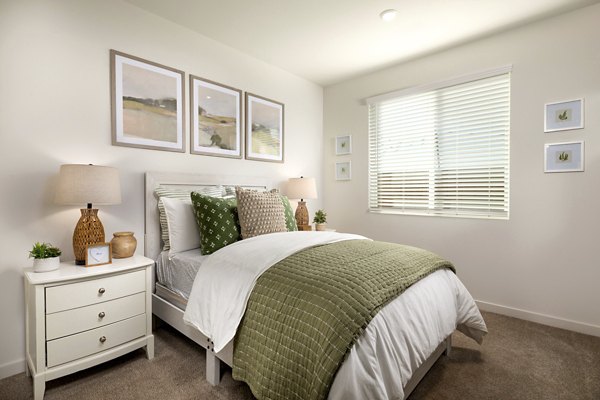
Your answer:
<point x="543" y="319"/>
<point x="12" y="368"/>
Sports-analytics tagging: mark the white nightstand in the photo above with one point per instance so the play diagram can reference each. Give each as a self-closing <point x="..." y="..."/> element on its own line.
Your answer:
<point x="78" y="317"/>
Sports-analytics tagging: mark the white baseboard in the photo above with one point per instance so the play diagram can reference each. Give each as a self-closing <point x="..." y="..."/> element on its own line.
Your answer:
<point x="543" y="319"/>
<point x="12" y="368"/>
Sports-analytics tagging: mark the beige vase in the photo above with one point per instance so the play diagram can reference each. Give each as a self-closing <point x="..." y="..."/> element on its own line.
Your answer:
<point x="123" y="244"/>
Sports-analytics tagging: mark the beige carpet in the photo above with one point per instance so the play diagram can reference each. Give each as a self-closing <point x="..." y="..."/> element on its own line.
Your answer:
<point x="518" y="360"/>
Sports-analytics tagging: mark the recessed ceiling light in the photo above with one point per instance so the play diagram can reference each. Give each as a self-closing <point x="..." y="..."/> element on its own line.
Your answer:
<point x="388" y="15"/>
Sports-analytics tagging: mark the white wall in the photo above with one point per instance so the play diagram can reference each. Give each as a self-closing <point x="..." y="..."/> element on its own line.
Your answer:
<point x="544" y="260"/>
<point x="55" y="109"/>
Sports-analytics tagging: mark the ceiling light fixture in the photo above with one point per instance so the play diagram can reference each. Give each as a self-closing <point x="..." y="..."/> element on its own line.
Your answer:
<point x="388" y="15"/>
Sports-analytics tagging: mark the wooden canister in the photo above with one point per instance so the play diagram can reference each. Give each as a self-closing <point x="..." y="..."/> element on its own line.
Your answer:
<point x="123" y="244"/>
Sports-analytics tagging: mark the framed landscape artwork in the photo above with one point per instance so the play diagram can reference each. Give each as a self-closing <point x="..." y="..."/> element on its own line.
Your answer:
<point x="563" y="157"/>
<point x="562" y="116"/>
<point x="264" y="129"/>
<point x="216" y="119"/>
<point x="147" y="104"/>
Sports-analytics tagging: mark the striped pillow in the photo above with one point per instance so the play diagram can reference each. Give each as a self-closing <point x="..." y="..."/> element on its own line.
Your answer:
<point x="183" y="194"/>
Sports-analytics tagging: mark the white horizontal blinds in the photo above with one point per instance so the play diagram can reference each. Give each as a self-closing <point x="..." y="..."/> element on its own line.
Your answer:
<point x="443" y="151"/>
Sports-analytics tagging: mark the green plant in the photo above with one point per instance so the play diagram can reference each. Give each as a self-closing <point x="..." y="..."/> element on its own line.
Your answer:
<point x="320" y="217"/>
<point x="44" y="250"/>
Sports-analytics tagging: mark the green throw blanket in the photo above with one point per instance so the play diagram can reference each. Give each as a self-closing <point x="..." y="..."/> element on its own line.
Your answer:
<point x="306" y="312"/>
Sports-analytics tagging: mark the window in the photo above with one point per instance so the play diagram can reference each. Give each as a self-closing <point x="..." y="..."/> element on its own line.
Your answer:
<point x="442" y="149"/>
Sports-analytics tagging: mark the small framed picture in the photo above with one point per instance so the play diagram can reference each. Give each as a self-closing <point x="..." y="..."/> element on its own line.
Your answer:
<point x="563" y="116"/>
<point x="343" y="171"/>
<point x="343" y="145"/>
<point x="563" y="157"/>
<point x="98" y="254"/>
<point x="264" y="129"/>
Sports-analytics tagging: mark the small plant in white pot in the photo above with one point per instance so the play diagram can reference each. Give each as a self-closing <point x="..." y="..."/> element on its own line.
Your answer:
<point x="320" y="220"/>
<point x="45" y="257"/>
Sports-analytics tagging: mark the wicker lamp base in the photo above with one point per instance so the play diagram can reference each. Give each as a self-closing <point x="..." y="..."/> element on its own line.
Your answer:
<point x="302" y="217"/>
<point x="89" y="230"/>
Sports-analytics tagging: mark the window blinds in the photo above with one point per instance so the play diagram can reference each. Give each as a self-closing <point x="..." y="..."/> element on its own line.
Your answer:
<point x="442" y="150"/>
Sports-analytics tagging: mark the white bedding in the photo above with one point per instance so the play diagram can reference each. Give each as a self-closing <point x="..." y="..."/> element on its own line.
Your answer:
<point x="396" y="342"/>
<point x="177" y="271"/>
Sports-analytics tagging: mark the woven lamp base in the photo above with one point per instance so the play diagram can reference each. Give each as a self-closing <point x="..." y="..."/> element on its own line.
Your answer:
<point x="302" y="217"/>
<point x="89" y="230"/>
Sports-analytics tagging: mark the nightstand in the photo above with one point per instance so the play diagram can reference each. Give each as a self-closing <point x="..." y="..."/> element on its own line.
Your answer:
<point x="77" y="317"/>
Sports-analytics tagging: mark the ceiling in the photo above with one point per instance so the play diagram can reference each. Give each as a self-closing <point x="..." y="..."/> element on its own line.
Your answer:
<point x="327" y="41"/>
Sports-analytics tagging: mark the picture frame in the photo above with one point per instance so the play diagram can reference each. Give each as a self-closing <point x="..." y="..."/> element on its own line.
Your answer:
<point x="343" y="145"/>
<point x="215" y="119"/>
<point x="564" y="157"/>
<point x="98" y="254"/>
<point x="147" y="104"/>
<point x="343" y="171"/>
<point x="264" y="129"/>
<point x="564" y="115"/>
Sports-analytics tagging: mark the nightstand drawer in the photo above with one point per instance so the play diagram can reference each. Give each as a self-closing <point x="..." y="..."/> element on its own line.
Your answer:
<point x="84" y="318"/>
<point x="83" y="344"/>
<point x="74" y="295"/>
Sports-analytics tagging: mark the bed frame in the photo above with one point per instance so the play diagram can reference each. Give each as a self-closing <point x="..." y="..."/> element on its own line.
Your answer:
<point x="172" y="314"/>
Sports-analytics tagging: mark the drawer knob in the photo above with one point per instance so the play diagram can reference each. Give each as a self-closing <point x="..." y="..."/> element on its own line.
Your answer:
<point x="101" y="290"/>
<point x="102" y="339"/>
<point x="101" y="315"/>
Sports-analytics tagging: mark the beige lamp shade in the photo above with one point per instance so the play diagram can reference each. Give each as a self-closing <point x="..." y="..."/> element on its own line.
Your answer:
<point x="302" y="188"/>
<point x="85" y="184"/>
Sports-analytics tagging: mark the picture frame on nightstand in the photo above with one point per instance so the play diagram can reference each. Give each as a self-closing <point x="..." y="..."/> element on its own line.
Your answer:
<point x="98" y="254"/>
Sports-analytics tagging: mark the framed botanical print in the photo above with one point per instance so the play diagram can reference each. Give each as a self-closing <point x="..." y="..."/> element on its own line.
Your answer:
<point x="147" y="104"/>
<point x="343" y="171"/>
<point x="564" y="157"/>
<point x="216" y="119"/>
<point x="563" y="116"/>
<point x="343" y="145"/>
<point x="264" y="129"/>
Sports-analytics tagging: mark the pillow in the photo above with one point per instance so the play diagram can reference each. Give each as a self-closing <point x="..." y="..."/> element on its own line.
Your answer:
<point x="217" y="221"/>
<point x="177" y="193"/>
<point x="182" y="227"/>
<point x="290" y="218"/>
<point x="260" y="212"/>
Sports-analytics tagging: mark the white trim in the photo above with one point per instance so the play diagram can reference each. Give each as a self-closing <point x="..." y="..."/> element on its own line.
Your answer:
<point x="12" y="368"/>
<point x="440" y="84"/>
<point x="543" y="319"/>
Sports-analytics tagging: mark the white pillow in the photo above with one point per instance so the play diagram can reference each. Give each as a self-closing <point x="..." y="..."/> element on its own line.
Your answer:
<point x="183" y="230"/>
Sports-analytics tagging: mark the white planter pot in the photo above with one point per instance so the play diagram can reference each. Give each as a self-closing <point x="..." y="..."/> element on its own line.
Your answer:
<point x="321" y="227"/>
<point x="46" y="264"/>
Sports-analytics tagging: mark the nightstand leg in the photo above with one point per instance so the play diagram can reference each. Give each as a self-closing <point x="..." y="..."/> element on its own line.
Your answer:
<point x="39" y="386"/>
<point x="150" y="347"/>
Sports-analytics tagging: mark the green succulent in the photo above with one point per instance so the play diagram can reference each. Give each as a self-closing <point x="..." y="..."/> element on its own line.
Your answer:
<point x="44" y="250"/>
<point x="320" y="217"/>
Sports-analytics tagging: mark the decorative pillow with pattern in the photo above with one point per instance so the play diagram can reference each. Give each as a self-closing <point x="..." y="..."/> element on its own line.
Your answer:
<point x="290" y="218"/>
<point x="217" y="221"/>
<point x="182" y="194"/>
<point x="260" y="212"/>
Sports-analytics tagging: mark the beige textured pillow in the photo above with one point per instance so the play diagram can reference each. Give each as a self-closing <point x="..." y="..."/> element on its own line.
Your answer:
<point x="260" y="212"/>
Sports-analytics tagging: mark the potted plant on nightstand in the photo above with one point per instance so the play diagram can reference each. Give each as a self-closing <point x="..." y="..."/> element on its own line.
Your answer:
<point x="45" y="257"/>
<point x="320" y="220"/>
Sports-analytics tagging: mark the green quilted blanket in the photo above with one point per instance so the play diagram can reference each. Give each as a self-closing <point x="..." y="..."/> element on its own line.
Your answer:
<point x="306" y="312"/>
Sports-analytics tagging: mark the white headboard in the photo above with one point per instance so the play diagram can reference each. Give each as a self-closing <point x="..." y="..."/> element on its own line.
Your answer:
<point x="152" y="239"/>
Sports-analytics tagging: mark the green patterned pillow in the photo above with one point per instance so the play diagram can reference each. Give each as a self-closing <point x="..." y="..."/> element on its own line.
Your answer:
<point x="290" y="219"/>
<point x="217" y="221"/>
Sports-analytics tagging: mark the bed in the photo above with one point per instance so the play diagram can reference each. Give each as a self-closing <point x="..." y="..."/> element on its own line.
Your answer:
<point x="432" y="308"/>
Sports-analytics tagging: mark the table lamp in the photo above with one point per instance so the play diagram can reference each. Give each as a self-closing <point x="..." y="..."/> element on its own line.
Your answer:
<point x="86" y="184"/>
<point x="302" y="188"/>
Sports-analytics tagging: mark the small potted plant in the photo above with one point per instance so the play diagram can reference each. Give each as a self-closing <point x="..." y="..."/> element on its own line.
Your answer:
<point x="320" y="220"/>
<point x="45" y="257"/>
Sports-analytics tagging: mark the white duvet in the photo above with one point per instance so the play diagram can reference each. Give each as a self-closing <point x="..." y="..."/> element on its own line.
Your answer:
<point x="396" y="342"/>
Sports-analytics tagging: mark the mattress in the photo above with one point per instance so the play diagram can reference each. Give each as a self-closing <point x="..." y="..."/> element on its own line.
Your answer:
<point x="177" y="271"/>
